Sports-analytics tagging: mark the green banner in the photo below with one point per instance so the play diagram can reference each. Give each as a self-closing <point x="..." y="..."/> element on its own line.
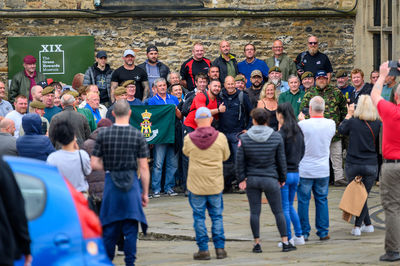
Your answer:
<point x="156" y="122"/>
<point x="59" y="58"/>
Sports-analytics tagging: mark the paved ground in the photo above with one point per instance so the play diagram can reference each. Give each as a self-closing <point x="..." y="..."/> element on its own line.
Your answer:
<point x="171" y="238"/>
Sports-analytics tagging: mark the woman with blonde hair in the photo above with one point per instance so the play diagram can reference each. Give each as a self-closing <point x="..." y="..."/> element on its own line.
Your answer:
<point x="361" y="159"/>
<point x="269" y="101"/>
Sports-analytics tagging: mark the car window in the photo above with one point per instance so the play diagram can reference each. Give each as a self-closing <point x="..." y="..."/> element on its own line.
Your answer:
<point x="34" y="193"/>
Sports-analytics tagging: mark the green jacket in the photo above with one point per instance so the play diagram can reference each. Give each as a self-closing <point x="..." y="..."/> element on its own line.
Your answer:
<point x="89" y="117"/>
<point x="20" y="84"/>
<point x="287" y="65"/>
<point x="335" y="104"/>
<point x="293" y="99"/>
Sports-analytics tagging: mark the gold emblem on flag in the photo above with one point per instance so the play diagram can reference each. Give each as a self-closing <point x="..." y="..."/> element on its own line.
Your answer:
<point x="146" y="124"/>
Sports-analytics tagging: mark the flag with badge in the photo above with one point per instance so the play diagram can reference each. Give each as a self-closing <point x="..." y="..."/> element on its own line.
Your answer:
<point x="156" y="122"/>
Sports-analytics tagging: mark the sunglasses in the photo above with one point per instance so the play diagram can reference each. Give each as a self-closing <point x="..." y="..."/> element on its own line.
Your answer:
<point x="313" y="43"/>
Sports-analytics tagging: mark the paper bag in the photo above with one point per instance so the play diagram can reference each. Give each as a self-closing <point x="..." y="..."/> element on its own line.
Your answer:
<point x="354" y="198"/>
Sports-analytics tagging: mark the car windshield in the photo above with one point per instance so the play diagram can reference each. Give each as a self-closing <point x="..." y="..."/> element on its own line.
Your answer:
<point x="34" y="193"/>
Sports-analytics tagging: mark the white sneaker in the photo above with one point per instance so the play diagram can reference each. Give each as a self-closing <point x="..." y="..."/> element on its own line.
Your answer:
<point x="298" y="240"/>
<point x="290" y="241"/>
<point x="367" y="228"/>
<point x="356" y="231"/>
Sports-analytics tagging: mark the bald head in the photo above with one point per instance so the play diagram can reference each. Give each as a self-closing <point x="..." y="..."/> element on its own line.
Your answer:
<point x="224" y="47"/>
<point x="7" y="126"/>
<point x="36" y="92"/>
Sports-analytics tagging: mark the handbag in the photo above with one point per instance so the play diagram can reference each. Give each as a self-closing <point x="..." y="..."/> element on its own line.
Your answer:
<point x="353" y="199"/>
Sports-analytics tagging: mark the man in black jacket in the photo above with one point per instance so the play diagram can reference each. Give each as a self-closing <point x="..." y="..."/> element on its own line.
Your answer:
<point x="154" y="68"/>
<point x="14" y="234"/>
<point x="100" y="74"/>
<point x="226" y="62"/>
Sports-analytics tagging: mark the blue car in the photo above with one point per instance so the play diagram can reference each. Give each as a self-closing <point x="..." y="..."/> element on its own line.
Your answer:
<point x="62" y="228"/>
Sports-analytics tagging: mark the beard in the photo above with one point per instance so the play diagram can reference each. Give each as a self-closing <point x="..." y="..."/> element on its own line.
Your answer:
<point x="275" y="81"/>
<point x="312" y="50"/>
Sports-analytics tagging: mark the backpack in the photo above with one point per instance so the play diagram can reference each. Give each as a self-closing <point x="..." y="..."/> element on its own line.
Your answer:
<point x="242" y="107"/>
<point x="187" y="105"/>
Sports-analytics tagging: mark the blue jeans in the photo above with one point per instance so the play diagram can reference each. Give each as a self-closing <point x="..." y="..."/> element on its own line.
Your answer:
<point x="215" y="205"/>
<point x="161" y="152"/>
<point x="319" y="187"/>
<point x="288" y="192"/>
<point x="112" y="232"/>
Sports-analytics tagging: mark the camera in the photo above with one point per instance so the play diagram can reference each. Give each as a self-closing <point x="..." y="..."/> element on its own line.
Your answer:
<point x="394" y="65"/>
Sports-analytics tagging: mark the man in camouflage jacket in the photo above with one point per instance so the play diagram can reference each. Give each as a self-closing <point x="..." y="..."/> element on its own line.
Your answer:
<point x="335" y="109"/>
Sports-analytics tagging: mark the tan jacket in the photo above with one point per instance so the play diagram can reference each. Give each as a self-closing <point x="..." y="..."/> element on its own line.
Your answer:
<point x="205" y="175"/>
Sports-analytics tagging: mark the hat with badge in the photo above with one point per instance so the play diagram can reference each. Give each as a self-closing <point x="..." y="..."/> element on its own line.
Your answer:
<point x="256" y="73"/>
<point x="321" y="73"/>
<point x="48" y="90"/>
<point x="274" y="69"/>
<point x="342" y="74"/>
<point x="120" y="91"/>
<point x="307" y="74"/>
<point x="37" y="104"/>
<point x="74" y="94"/>
<point x="128" y="82"/>
<point x="240" y="77"/>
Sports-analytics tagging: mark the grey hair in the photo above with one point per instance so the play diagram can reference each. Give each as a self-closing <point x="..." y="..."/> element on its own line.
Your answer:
<point x="67" y="100"/>
<point x="317" y="104"/>
<point x="169" y="76"/>
<point x="121" y="108"/>
<point x="294" y="76"/>
<point x="159" y="80"/>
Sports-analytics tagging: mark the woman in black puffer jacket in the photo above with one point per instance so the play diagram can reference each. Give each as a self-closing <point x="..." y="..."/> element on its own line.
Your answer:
<point x="261" y="167"/>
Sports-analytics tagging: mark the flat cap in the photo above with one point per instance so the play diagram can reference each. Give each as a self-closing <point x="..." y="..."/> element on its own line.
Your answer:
<point x="128" y="82"/>
<point x="274" y="69"/>
<point x="37" y="104"/>
<point x="119" y="91"/>
<point x="307" y="74"/>
<point x="341" y="74"/>
<point x="47" y="90"/>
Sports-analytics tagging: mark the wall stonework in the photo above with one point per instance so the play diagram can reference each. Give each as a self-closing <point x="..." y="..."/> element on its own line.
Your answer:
<point x="251" y="4"/>
<point x="175" y="36"/>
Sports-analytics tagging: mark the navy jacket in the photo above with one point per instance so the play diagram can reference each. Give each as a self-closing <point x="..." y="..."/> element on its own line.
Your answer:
<point x="33" y="144"/>
<point x="229" y="121"/>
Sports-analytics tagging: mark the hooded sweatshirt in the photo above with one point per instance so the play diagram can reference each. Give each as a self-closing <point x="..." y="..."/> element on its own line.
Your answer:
<point x="261" y="153"/>
<point x="33" y="144"/>
<point x="207" y="149"/>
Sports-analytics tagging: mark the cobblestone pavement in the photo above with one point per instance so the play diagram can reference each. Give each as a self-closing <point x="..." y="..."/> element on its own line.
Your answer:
<point x="171" y="236"/>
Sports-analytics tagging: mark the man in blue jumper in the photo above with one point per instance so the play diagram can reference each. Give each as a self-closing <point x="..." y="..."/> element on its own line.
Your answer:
<point x="252" y="63"/>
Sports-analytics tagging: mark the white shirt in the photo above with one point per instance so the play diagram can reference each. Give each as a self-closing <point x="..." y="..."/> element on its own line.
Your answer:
<point x="318" y="133"/>
<point x="17" y="118"/>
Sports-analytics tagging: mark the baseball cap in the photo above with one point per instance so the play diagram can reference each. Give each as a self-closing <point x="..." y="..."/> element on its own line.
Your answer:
<point x="43" y="84"/>
<point x="256" y="73"/>
<point x="152" y="48"/>
<point x="321" y="73"/>
<point x="203" y="112"/>
<point x="101" y="54"/>
<point x="129" y="52"/>
<point x="29" y="59"/>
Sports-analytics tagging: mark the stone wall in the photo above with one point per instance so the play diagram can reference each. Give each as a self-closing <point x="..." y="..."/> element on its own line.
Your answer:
<point x="175" y="36"/>
<point x="251" y="4"/>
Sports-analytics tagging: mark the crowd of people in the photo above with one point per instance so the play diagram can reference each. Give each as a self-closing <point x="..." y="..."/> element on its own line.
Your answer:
<point x="275" y="126"/>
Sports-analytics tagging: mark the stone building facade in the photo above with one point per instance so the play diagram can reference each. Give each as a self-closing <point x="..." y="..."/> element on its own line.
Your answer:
<point x="174" y="30"/>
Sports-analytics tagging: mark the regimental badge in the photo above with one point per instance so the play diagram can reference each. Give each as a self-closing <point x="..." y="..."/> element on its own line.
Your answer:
<point x="146" y="127"/>
<point x="146" y="124"/>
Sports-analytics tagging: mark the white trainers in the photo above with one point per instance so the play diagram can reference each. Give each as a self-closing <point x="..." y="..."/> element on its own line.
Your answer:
<point x="367" y="229"/>
<point x="298" y="240"/>
<point x="291" y="241"/>
<point x="356" y="231"/>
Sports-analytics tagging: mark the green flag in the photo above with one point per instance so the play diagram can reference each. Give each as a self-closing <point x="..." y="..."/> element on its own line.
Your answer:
<point x="156" y="122"/>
